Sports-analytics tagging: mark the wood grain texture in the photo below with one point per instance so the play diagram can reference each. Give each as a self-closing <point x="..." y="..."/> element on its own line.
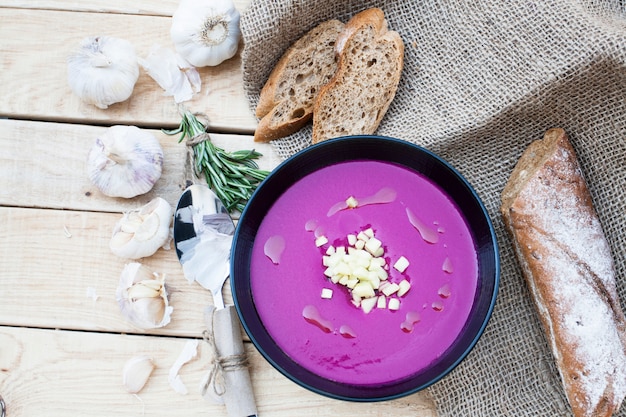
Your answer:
<point x="44" y="165"/>
<point x="62" y="350"/>
<point x="59" y="373"/>
<point x="50" y="261"/>
<point x="35" y="44"/>
<point x="56" y="226"/>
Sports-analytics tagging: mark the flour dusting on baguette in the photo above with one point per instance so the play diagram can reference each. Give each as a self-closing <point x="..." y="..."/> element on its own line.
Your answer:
<point x="370" y="64"/>
<point x="568" y="266"/>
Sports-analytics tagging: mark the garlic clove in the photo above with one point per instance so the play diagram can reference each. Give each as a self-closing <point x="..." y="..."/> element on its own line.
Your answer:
<point x="130" y="226"/>
<point x="141" y="290"/>
<point x="135" y="273"/>
<point x="142" y="297"/>
<point x="125" y="161"/>
<point x="206" y="32"/>
<point x="148" y="228"/>
<point x="153" y="284"/>
<point x="141" y="232"/>
<point x="136" y="216"/>
<point x="121" y="238"/>
<point x="103" y="70"/>
<point x="151" y="311"/>
<point x="136" y="372"/>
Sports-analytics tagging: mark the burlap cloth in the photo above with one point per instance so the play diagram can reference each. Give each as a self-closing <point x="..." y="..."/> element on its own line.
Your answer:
<point x="481" y="80"/>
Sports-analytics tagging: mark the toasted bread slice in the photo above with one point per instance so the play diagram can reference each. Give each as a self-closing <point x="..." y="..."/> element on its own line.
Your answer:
<point x="286" y="100"/>
<point x="355" y="100"/>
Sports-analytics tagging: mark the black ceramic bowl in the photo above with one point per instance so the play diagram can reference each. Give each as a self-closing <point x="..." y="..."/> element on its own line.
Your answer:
<point x="382" y="149"/>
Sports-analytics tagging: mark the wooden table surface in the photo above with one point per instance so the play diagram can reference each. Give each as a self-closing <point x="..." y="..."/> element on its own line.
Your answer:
<point x="62" y="349"/>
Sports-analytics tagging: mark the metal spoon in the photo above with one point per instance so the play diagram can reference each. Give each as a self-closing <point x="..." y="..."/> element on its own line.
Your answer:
<point x="203" y="234"/>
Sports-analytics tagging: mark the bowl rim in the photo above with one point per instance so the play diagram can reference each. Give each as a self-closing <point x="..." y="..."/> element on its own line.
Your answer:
<point x="362" y="394"/>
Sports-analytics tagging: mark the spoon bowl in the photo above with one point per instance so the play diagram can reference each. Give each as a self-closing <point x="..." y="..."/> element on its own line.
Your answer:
<point x="203" y="232"/>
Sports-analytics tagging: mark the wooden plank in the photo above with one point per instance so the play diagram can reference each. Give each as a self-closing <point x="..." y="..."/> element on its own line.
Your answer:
<point x="60" y="373"/>
<point x="51" y="261"/>
<point x="146" y="7"/>
<point x="34" y="46"/>
<point x="43" y="165"/>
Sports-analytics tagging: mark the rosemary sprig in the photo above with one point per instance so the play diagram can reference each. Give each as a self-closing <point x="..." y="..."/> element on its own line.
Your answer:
<point x="232" y="175"/>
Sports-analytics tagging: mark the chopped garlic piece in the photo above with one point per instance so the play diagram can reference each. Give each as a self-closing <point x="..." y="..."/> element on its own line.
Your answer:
<point x="372" y="245"/>
<point x="352" y="202"/>
<point x="368" y="304"/>
<point x="321" y="241"/>
<point x="363" y="290"/>
<point x="394" y="304"/>
<point x="327" y="293"/>
<point x="401" y="264"/>
<point x="361" y="267"/>
<point x="403" y="287"/>
<point x="390" y="289"/>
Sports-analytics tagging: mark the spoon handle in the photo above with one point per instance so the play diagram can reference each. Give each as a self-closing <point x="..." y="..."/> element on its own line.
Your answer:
<point x="234" y="384"/>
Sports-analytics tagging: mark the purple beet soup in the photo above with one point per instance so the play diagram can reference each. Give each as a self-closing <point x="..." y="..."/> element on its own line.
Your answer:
<point x="332" y="337"/>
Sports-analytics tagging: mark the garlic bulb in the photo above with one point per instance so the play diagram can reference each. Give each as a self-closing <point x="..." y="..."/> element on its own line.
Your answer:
<point x="141" y="232"/>
<point x="142" y="297"/>
<point x="103" y="70"/>
<point x="206" y="32"/>
<point x="136" y="372"/>
<point x="125" y="161"/>
<point x="172" y="72"/>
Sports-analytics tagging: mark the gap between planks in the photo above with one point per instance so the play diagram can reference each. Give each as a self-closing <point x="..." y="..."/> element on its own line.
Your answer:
<point x="56" y="373"/>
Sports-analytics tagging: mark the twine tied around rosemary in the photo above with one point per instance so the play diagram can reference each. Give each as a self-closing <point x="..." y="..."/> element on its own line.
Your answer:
<point x="197" y="139"/>
<point x="233" y="176"/>
<point x="190" y="168"/>
<point x="214" y="380"/>
<point x="199" y="136"/>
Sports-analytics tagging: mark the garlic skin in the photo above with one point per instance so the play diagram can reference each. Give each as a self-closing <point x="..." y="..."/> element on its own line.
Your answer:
<point x="172" y="72"/>
<point x="206" y="32"/>
<point x="103" y="71"/>
<point x="141" y="232"/>
<point x="125" y="162"/>
<point x="190" y="351"/>
<point x="142" y="297"/>
<point x="136" y="372"/>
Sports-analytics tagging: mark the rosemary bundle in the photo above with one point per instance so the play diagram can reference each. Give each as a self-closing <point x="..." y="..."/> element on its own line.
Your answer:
<point x="233" y="176"/>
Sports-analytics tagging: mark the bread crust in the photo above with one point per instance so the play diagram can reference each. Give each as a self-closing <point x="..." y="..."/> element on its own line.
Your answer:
<point x="342" y="85"/>
<point x="567" y="264"/>
<point x="317" y="45"/>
